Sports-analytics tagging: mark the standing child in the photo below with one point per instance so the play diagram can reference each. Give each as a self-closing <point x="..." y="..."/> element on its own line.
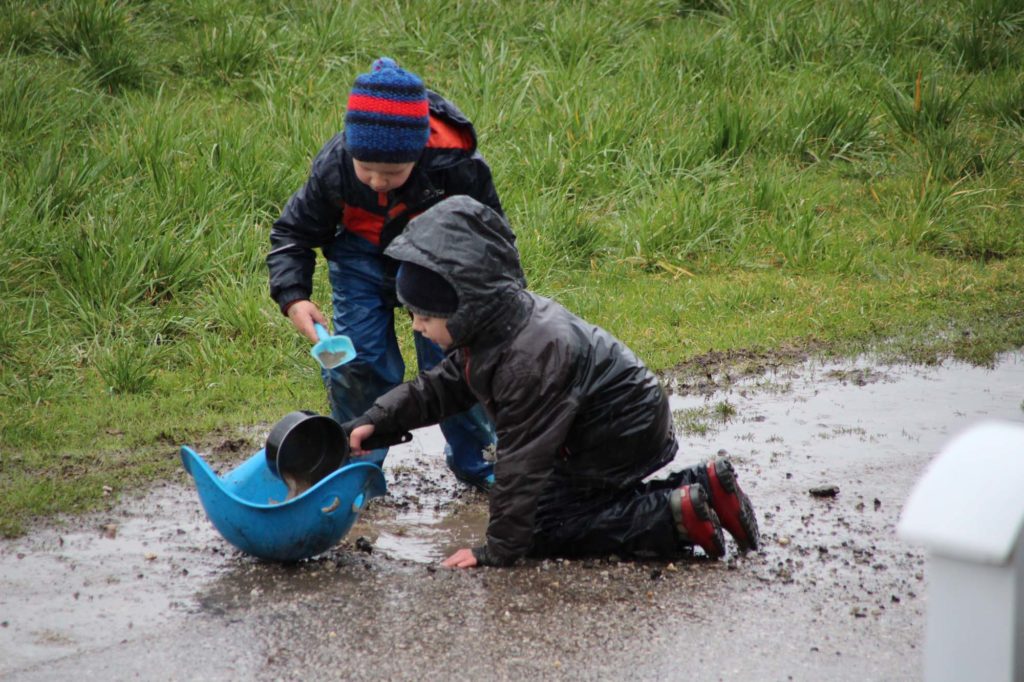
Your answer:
<point x="403" y="149"/>
<point x="581" y="422"/>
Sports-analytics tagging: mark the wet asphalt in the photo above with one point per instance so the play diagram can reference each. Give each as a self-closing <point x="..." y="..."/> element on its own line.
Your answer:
<point x="147" y="589"/>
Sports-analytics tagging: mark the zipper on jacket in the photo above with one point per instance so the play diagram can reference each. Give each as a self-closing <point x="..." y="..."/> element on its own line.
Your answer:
<point x="469" y="359"/>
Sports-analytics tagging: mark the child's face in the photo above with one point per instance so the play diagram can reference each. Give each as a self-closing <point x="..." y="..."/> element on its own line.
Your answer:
<point x="433" y="328"/>
<point x="382" y="177"/>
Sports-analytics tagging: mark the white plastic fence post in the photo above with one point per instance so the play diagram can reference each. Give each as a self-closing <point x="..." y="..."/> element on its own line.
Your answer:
<point x="967" y="510"/>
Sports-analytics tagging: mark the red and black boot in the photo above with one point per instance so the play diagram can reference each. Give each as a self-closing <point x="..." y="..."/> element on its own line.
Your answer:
<point x="696" y="521"/>
<point x="728" y="500"/>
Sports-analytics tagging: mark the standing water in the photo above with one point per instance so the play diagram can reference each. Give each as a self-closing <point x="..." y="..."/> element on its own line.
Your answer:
<point x="148" y="588"/>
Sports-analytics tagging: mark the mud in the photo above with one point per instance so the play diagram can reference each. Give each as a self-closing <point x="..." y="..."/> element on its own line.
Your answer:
<point x="148" y="589"/>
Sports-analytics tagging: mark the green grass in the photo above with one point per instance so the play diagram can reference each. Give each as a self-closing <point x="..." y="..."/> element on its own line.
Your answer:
<point x="703" y="421"/>
<point x="694" y="175"/>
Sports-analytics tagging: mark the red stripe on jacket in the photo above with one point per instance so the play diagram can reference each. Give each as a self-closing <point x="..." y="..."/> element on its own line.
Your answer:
<point x="362" y="222"/>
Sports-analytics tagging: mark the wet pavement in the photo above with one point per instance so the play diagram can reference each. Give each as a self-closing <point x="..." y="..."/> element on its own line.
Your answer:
<point x="149" y="590"/>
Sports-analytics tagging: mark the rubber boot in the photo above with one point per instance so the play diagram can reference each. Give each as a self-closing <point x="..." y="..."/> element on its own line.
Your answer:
<point x="730" y="503"/>
<point x="696" y="521"/>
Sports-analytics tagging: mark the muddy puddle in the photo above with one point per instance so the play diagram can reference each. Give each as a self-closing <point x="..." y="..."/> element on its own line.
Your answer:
<point x="148" y="589"/>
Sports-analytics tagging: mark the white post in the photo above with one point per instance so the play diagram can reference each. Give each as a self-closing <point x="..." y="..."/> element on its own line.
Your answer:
<point x="968" y="512"/>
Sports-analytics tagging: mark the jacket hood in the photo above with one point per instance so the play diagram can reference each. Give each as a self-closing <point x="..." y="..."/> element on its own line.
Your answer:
<point x="446" y="111"/>
<point x="473" y="248"/>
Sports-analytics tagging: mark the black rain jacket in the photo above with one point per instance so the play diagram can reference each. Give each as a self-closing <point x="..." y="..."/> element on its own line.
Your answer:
<point x="333" y="199"/>
<point x="564" y="394"/>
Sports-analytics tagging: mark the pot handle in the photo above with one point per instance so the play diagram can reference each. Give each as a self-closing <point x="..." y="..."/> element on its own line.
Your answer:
<point x="383" y="440"/>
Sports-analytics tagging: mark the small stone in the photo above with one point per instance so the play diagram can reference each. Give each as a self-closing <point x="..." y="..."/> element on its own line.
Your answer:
<point x="824" y="491"/>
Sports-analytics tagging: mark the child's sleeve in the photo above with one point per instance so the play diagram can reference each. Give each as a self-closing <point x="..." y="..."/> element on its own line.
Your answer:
<point x="309" y="220"/>
<point x="434" y="395"/>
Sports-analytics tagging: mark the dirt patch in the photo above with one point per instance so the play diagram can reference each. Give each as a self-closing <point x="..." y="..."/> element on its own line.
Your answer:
<point x="717" y="370"/>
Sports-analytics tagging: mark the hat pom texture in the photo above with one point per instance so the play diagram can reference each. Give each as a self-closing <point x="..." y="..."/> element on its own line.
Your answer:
<point x="387" y="119"/>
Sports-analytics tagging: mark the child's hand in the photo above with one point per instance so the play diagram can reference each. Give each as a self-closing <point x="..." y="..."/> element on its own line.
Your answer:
<point x="303" y="314"/>
<point x="356" y="438"/>
<point x="464" y="558"/>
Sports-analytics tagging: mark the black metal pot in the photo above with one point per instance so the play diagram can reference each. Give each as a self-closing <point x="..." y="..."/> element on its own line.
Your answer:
<point x="305" y="446"/>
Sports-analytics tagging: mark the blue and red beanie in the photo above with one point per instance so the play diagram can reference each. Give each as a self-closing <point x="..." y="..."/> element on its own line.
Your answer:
<point x="387" y="119"/>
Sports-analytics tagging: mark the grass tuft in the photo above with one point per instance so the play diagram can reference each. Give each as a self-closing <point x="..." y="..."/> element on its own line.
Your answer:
<point x="233" y="51"/>
<point x="829" y="127"/>
<point x="127" y="367"/>
<point x="925" y="109"/>
<point x="104" y="35"/>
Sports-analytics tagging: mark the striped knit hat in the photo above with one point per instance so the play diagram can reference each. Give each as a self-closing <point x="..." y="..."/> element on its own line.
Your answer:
<point x="387" y="118"/>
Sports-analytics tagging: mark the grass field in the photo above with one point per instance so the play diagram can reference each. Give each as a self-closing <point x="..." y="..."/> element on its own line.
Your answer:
<point x="693" y="175"/>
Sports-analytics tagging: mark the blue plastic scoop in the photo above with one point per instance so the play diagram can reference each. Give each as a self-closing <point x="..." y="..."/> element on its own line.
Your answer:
<point x="332" y="351"/>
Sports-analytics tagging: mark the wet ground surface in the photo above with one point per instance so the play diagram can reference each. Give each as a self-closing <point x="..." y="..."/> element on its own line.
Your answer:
<point x="149" y="590"/>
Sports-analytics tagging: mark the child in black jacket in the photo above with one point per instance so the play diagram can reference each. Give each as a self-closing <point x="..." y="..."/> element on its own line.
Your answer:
<point x="581" y="422"/>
